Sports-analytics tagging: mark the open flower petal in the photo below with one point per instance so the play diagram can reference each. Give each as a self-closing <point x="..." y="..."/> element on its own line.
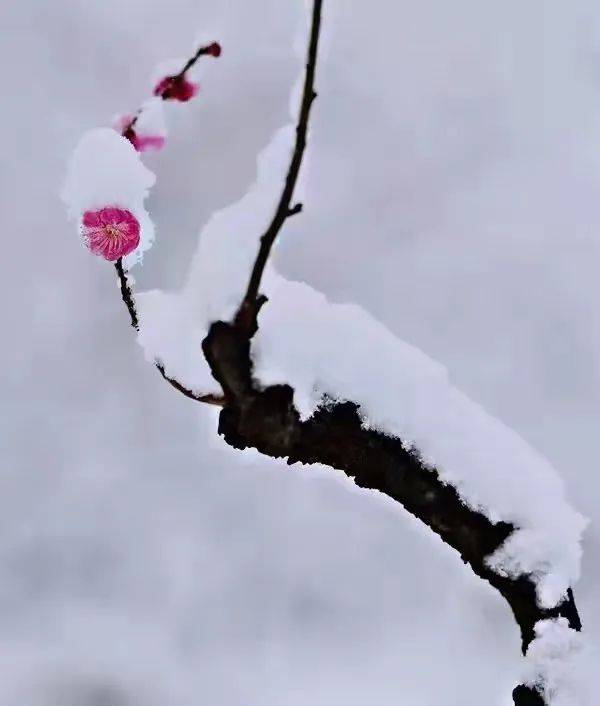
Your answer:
<point x="110" y="232"/>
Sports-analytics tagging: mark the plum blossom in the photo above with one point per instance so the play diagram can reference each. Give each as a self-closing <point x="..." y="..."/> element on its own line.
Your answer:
<point x="213" y="49"/>
<point x="143" y="143"/>
<point x="128" y="126"/>
<point x="110" y="232"/>
<point x="176" y="88"/>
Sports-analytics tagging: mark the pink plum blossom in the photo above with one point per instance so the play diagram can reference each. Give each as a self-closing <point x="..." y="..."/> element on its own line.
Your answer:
<point x="111" y="232"/>
<point x="142" y="142"/>
<point x="176" y="88"/>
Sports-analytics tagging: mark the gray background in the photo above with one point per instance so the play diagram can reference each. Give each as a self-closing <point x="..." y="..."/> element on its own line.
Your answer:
<point x="452" y="191"/>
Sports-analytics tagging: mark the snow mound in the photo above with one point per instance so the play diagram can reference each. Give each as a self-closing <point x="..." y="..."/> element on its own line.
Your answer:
<point x="560" y="664"/>
<point x="105" y="170"/>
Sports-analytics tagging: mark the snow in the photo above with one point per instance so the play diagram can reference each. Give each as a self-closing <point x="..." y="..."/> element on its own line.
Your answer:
<point x="169" y="334"/>
<point x="105" y="170"/>
<point x="303" y="341"/>
<point x="341" y="351"/>
<point x="172" y="325"/>
<point x="269" y="540"/>
<point x="151" y="118"/>
<point x="167" y="67"/>
<point x="561" y="664"/>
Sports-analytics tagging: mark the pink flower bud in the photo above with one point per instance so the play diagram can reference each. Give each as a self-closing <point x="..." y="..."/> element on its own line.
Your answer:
<point x="110" y="232"/>
<point x="214" y="49"/>
<point x="176" y="88"/>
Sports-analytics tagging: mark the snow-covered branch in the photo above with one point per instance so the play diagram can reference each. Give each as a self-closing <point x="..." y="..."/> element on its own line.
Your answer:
<point x="265" y="418"/>
<point x="252" y="302"/>
<point x="291" y="386"/>
<point x="345" y="428"/>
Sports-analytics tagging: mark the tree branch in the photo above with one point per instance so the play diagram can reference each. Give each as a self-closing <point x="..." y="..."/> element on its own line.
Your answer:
<point x="250" y="306"/>
<point x="128" y="300"/>
<point x="212" y="49"/>
<point x="266" y="419"/>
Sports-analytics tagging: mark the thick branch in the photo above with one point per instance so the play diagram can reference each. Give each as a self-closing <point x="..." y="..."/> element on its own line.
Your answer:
<point x="248" y="311"/>
<point x="128" y="300"/>
<point x="266" y="419"/>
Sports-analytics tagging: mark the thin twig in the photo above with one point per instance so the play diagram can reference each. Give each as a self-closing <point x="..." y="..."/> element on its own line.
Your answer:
<point x="127" y="294"/>
<point x="208" y="49"/>
<point x="248" y="311"/>
<point x="202" y="51"/>
<point x="128" y="300"/>
<point x="216" y="400"/>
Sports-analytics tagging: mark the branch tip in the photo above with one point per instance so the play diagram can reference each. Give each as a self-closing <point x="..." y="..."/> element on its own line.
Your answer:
<point x="284" y="210"/>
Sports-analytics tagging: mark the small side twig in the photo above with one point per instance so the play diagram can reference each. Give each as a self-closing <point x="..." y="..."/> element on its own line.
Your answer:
<point x="128" y="300"/>
<point x="247" y="313"/>
<point x="213" y="49"/>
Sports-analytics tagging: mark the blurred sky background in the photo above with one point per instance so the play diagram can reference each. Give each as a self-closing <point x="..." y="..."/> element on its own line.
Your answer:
<point x="453" y="183"/>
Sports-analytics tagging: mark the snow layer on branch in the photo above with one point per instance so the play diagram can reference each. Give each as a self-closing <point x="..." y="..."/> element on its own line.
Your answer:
<point x="151" y="119"/>
<point x="341" y="351"/>
<point x="171" y="335"/>
<point x="167" y="67"/>
<point x="560" y="664"/>
<point x="229" y="242"/>
<point x="105" y="170"/>
<point x="172" y="326"/>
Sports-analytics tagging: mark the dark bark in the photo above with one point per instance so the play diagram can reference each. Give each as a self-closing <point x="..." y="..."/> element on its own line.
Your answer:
<point x="248" y="312"/>
<point x="266" y="419"/>
<point x="129" y="301"/>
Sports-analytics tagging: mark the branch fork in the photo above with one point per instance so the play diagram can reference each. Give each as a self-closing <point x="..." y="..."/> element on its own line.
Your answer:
<point x="265" y="418"/>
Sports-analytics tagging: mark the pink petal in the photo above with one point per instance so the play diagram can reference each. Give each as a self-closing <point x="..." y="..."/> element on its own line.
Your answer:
<point x="110" y="216"/>
<point x="143" y="143"/>
<point x="122" y="215"/>
<point x="176" y="88"/>
<point x="111" y="232"/>
<point x="187" y="91"/>
<point x="162" y="85"/>
<point x="91" y="219"/>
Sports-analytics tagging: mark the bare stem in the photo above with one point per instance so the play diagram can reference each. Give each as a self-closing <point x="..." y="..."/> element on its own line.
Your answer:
<point x="250" y="306"/>
<point x="129" y="301"/>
